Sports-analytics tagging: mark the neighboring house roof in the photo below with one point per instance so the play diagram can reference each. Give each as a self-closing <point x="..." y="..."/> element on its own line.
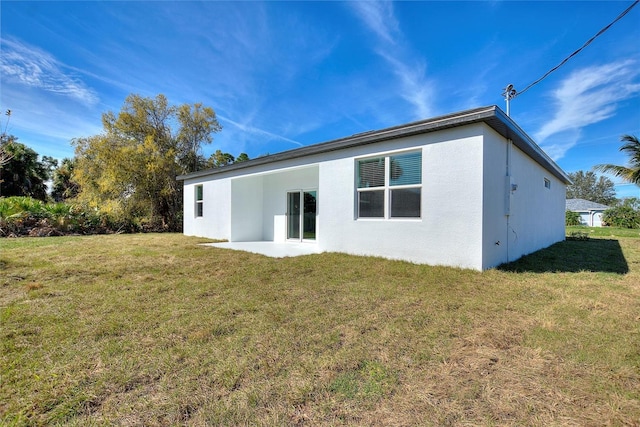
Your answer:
<point x="582" y="205"/>
<point x="492" y="116"/>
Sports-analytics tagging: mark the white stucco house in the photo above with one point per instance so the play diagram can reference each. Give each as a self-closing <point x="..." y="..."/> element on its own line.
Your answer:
<point x="468" y="189"/>
<point x="590" y="212"/>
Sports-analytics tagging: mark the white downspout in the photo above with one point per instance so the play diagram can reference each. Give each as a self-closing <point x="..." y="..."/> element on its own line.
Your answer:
<point x="508" y="186"/>
<point x="509" y="93"/>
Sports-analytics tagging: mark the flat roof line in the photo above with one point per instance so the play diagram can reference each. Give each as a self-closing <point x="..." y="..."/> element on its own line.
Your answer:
<point x="493" y="116"/>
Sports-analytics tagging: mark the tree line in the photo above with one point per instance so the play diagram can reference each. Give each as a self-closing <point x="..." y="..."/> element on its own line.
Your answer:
<point x="128" y="171"/>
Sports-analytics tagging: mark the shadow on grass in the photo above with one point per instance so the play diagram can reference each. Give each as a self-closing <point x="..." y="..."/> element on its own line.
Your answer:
<point x="570" y="256"/>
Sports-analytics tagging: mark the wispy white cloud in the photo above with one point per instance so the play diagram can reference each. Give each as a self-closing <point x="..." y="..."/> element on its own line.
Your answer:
<point x="256" y="51"/>
<point x="379" y="17"/>
<point x="257" y="131"/>
<point x="46" y="124"/>
<point x="415" y="87"/>
<point x="587" y="96"/>
<point x="557" y="147"/>
<point x="29" y="66"/>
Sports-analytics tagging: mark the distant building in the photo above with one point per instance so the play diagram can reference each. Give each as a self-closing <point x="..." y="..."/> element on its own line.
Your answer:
<point x="590" y="212"/>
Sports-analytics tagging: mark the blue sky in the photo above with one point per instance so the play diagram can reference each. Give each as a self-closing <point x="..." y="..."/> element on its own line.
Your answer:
<point x="286" y="74"/>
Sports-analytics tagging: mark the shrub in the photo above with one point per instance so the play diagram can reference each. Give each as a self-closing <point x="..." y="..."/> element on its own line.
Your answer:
<point x="578" y="235"/>
<point x="17" y="205"/>
<point x="571" y="218"/>
<point x="622" y="216"/>
<point x="22" y="216"/>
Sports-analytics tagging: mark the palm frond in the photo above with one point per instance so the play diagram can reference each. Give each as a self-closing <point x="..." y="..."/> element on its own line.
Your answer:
<point x="630" y="173"/>
<point x="619" y="171"/>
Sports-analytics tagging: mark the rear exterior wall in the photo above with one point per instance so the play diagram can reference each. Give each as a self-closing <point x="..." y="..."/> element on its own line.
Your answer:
<point x="450" y="229"/>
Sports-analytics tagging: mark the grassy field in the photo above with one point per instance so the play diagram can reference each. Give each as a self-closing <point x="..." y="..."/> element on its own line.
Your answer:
<point x="157" y="330"/>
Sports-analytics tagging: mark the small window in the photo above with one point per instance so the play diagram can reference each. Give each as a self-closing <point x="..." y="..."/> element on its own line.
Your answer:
<point x="199" y="201"/>
<point x="547" y="183"/>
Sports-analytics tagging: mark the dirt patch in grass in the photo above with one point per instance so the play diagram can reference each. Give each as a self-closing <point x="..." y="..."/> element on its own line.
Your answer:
<point x="157" y="330"/>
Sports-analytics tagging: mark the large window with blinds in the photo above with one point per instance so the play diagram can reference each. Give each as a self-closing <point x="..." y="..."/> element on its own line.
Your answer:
<point x="389" y="186"/>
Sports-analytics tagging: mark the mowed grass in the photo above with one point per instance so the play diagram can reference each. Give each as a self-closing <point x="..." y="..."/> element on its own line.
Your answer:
<point x="155" y="329"/>
<point x="604" y="231"/>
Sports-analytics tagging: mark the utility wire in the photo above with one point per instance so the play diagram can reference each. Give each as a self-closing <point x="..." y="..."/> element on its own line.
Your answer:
<point x="587" y="43"/>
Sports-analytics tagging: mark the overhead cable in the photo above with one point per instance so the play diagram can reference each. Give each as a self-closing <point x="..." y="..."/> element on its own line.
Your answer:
<point x="587" y="43"/>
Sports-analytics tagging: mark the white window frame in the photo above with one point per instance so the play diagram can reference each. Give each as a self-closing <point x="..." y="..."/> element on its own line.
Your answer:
<point x="547" y="183"/>
<point x="198" y="202"/>
<point x="387" y="188"/>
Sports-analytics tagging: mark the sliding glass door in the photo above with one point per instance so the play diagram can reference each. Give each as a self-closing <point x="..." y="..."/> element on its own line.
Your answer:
<point x="293" y="215"/>
<point x="301" y="215"/>
<point x="309" y="211"/>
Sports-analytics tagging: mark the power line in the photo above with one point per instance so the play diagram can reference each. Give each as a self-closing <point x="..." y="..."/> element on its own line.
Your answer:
<point x="587" y="43"/>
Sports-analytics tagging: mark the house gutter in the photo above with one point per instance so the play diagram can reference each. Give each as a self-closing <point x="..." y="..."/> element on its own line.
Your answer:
<point x="492" y="116"/>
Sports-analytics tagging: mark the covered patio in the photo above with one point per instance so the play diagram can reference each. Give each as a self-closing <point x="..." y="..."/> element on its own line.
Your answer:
<point x="261" y="208"/>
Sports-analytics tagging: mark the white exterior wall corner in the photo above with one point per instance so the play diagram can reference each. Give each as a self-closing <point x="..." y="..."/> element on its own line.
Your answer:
<point x="216" y="220"/>
<point x="537" y="217"/>
<point x="453" y="198"/>
<point x="188" y="210"/>
<point x="494" y="199"/>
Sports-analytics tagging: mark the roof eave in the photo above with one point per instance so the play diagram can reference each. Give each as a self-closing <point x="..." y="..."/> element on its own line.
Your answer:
<point x="492" y="116"/>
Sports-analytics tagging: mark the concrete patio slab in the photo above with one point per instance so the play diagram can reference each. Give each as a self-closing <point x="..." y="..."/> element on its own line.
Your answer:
<point x="270" y="249"/>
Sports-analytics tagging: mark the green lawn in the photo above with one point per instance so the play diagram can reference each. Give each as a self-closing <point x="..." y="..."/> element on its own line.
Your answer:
<point x="156" y="330"/>
<point x="605" y="231"/>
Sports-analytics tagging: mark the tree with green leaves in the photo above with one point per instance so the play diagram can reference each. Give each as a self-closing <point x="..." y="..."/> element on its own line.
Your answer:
<point x="219" y="159"/>
<point x="242" y="157"/>
<point x="64" y="185"/>
<point x="5" y="141"/>
<point x="631" y="172"/>
<point x="588" y="186"/>
<point x="131" y="167"/>
<point x="196" y="129"/>
<point x="24" y="174"/>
